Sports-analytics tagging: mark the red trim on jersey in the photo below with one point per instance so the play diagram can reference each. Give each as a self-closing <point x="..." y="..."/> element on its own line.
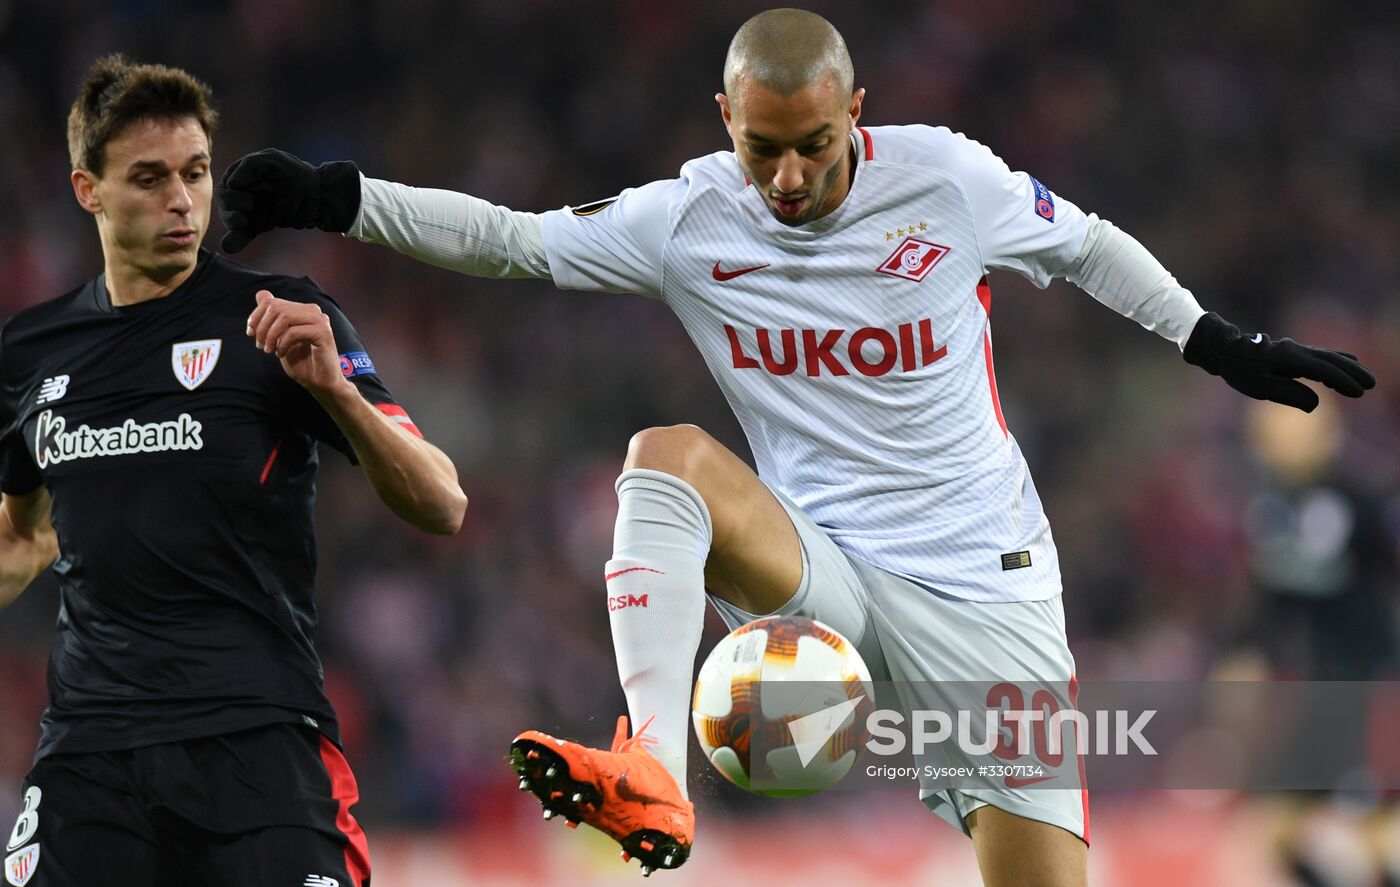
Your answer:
<point x="344" y="790"/>
<point x="992" y="380"/>
<point x="272" y="457"/>
<point x="1083" y="784"/>
<point x="400" y="417"/>
<point x="984" y="295"/>
<point x="869" y="144"/>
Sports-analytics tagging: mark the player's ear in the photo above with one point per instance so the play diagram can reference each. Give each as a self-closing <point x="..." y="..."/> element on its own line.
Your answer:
<point x="723" y="101"/>
<point x="85" y="189"/>
<point x="856" y="98"/>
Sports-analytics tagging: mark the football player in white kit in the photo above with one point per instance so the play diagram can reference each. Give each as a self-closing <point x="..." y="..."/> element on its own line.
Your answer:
<point x="835" y="279"/>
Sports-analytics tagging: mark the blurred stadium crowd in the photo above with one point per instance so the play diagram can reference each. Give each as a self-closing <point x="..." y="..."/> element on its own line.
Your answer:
<point x="1251" y="145"/>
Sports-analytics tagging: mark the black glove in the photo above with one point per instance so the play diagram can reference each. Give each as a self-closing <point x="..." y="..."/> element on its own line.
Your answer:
<point x="274" y="189"/>
<point x="1268" y="370"/>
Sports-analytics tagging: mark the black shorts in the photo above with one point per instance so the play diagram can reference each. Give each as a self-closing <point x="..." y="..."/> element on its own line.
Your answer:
<point x="264" y="806"/>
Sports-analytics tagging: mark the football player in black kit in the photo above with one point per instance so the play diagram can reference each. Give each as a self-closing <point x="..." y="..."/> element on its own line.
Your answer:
<point x="164" y="417"/>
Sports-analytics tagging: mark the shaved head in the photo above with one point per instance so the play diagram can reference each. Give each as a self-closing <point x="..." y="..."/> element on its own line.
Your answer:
<point x="790" y="105"/>
<point x="785" y="50"/>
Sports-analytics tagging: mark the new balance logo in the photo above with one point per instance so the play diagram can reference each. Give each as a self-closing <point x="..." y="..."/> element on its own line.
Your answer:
<point x="52" y="388"/>
<point x="870" y="351"/>
<point x="623" y="601"/>
<point x="320" y="881"/>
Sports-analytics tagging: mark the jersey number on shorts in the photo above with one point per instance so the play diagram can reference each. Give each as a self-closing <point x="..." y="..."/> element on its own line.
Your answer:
<point x="1043" y="701"/>
<point x="28" y="822"/>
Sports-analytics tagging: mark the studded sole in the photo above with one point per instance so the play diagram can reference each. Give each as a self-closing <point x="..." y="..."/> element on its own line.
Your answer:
<point x="544" y="773"/>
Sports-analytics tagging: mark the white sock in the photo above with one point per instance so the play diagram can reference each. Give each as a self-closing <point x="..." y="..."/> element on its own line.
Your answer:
<point x="656" y="603"/>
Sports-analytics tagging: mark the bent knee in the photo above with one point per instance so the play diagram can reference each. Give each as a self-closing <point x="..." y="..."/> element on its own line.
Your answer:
<point x="681" y="450"/>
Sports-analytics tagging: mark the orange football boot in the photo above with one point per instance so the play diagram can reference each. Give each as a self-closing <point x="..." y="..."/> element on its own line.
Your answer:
<point x="624" y="793"/>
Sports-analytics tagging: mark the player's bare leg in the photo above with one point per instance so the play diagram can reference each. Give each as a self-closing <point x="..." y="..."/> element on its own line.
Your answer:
<point x="691" y="514"/>
<point x="755" y="558"/>
<point x="1013" y="851"/>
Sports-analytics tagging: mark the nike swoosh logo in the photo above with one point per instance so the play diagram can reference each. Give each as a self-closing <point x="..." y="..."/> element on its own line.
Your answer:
<point x="1016" y="782"/>
<point x="611" y="576"/>
<point x="625" y="792"/>
<point x="721" y="275"/>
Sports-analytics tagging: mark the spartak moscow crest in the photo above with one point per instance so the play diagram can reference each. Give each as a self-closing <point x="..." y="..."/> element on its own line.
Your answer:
<point x="194" y="361"/>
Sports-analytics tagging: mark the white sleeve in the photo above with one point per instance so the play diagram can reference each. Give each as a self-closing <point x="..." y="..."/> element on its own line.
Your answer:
<point x="451" y="230"/>
<point x="616" y="245"/>
<point x="1021" y="225"/>
<point x="1118" y="271"/>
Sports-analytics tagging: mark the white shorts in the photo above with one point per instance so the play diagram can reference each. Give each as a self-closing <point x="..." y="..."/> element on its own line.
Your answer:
<point x="911" y="635"/>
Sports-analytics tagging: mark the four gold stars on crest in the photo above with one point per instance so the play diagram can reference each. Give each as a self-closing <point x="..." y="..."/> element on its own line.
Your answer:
<point x="900" y="232"/>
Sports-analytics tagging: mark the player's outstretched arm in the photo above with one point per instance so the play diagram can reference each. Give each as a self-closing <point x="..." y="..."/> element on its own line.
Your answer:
<point x="1268" y="370"/>
<point x="273" y="189"/>
<point x="1120" y="272"/>
<point x="414" y="478"/>
<point x="28" y="544"/>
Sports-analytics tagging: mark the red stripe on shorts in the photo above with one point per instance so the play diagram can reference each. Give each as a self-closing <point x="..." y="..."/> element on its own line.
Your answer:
<point x="1083" y="784"/>
<point x="344" y="790"/>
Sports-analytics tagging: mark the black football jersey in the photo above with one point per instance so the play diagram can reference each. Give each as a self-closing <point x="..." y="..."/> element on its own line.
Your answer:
<point x="181" y="462"/>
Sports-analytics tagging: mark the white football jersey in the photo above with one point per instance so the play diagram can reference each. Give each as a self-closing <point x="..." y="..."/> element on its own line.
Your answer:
<point x="856" y="349"/>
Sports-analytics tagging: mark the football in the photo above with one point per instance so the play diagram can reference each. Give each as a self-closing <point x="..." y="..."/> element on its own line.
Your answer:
<point x="780" y="706"/>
